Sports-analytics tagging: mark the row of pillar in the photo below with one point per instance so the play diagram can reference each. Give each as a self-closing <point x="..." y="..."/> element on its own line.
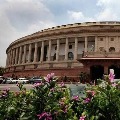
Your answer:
<point x="15" y="56"/>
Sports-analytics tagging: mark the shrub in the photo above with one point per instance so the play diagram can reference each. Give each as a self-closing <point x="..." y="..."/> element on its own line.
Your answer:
<point x="50" y="101"/>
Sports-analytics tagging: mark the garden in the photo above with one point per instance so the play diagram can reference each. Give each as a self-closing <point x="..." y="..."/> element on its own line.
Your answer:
<point x="51" y="101"/>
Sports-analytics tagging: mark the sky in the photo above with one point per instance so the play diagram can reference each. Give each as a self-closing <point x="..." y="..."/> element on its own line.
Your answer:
<point x="19" y="18"/>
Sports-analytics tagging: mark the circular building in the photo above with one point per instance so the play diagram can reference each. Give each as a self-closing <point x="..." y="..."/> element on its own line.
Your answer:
<point x="68" y="50"/>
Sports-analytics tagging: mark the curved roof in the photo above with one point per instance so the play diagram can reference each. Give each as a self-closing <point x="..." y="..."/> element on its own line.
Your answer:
<point x="84" y="24"/>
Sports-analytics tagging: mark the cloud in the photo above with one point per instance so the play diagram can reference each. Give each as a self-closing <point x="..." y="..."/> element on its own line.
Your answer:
<point x="26" y="12"/>
<point x="19" y="18"/>
<point x="75" y="16"/>
<point x="6" y="36"/>
<point x="109" y="10"/>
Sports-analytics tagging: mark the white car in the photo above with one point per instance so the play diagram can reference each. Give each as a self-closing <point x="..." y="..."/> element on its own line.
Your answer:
<point x="7" y="80"/>
<point x="20" y="80"/>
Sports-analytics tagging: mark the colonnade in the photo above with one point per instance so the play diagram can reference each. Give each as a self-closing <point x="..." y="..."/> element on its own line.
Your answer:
<point x="14" y="56"/>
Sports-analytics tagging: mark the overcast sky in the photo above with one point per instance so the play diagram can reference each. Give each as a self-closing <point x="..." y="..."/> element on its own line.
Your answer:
<point x="19" y="18"/>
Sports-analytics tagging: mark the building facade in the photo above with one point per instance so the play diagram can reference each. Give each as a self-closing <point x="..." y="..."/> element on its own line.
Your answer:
<point x="67" y="50"/>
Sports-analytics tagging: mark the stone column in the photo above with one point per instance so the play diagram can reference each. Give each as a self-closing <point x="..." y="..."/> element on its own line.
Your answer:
<point x="13" y="57"/>
<point x="76" y="48"/>
<point x="7" y="60"/>
<point x="16" y="56"/>
<point x="29" y="53"/>
<point x="35" y="52"/>
<point x="66" y="49"/>
<point x="49" y="50"/>
<point x="86" y="43"/>
<point x="20" y="55"/>
<point x="107" y="44"/>
<point x="117" y="44"/>
<point x="10" y="57"/>
<point x="96" y="44"/>
<point x="42" y="52"/>
<point x="24" y="55"/>
<point x="57" y="52"/>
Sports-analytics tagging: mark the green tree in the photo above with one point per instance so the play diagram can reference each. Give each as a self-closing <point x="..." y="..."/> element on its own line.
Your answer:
<point x="2" y="70"/>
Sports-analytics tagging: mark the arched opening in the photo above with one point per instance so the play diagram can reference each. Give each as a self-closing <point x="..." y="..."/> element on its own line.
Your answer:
<point x="116" y="69"/>
<point x="111" y="49"/>
<point x="96" y="72"/>
<point x="70" y="56"/>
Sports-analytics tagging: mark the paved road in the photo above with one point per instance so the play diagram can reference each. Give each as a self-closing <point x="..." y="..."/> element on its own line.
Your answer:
<point x="76" y="89"/>
<point x="14" y="87"/>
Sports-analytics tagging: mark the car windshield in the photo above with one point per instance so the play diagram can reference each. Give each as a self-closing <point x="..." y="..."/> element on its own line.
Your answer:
<point x="36" y="78"/>
<point x="22" y="78"/>
<point x="9" y="78"/>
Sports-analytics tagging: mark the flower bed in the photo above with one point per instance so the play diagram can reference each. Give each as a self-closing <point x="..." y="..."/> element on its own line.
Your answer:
<point x="50" y="101"/>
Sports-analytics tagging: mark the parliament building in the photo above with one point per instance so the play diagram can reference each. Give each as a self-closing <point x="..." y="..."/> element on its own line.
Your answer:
<point x="67" y="50"/>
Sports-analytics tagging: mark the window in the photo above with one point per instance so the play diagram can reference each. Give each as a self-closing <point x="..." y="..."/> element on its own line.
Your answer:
<point x="55" y="47"/>
<point x="101" y="49"/>
<point x="101" y="39"/>
<point x="111" y="49"/>
<point x="54" y="57"/>
<point x="112" y="39"/>
<point x="70" y="46"/>
<point x="70" y="56"/>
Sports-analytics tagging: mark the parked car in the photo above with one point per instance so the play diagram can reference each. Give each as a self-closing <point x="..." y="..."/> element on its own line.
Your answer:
<point x="20" y="80"/>
<point x="35" y="80"/>
<point x="8" y="80"/>
<point x="1" y="79"/>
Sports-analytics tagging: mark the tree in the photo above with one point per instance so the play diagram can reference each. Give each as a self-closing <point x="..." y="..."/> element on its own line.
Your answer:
<point x="2" y="70"/>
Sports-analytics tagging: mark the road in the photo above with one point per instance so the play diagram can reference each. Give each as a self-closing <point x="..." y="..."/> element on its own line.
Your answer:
<point x="76" y="89"/>
<point x="14" y="87"/>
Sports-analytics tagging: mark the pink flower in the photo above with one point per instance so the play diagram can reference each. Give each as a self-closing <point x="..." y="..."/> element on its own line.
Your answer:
<point x="62" y="84"/>
<point x="52" y="75"/>
<point x="87" y="100"/>
<point x="76" y="98"/>
<point x="52" y="90"/>
<point x="45" y="115"/>
<point x="111" y="77"/>
<point x="114" y="84"/>
<point x="65" y="110"/>
<point x="37" y="84"/>
<point x="82" y="118"/>
<point x="49" y="77"/>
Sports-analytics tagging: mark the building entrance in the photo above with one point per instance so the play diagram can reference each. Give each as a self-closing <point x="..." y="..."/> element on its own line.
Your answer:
<point x="116" y="69"/>
<point x="96" y="72"/>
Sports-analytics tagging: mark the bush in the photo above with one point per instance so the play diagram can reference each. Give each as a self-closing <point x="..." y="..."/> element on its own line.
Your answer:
<point x="50" y="101"/>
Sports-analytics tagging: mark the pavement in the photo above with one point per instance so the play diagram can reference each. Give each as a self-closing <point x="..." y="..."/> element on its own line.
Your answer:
<point x="14" y="87"/>
<point x="75" y="89"/>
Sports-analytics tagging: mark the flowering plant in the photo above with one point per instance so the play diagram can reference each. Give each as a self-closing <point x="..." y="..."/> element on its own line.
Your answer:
<point x="51" y="101"/>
